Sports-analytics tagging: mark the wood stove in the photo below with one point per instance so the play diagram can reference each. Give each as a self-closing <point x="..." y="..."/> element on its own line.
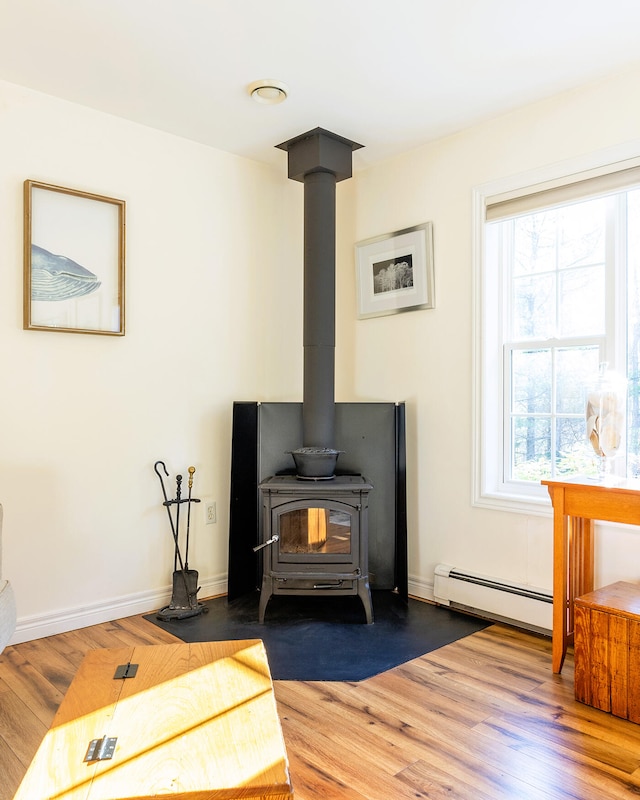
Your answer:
<point x="315" y="536"/>
<point x="315" y="522"/>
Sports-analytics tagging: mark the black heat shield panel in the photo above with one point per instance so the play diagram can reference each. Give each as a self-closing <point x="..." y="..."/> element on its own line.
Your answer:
<point x="243" y="506"/>
<point x="401" y="556"/>
<point x="373" y="438"/>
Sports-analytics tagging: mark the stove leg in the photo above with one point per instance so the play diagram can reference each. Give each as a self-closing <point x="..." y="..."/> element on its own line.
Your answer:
<point x="364" y="593"/>
<point x="265" y="594"/>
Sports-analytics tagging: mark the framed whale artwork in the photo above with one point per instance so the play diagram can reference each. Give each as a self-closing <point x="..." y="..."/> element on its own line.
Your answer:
<point x="74" y="261"/>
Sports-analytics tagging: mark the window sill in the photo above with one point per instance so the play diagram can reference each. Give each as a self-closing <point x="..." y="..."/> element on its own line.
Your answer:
<point x="515" y="503"/>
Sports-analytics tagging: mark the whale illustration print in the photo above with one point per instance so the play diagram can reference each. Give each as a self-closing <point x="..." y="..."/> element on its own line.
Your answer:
<point x="55" y="277"/>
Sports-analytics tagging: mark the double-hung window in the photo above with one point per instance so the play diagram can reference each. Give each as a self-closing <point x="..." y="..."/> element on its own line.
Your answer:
<point x="559" y="295"/>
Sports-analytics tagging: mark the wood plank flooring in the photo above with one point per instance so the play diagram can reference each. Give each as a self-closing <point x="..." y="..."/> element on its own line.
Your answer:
<point x="483" y="718"/>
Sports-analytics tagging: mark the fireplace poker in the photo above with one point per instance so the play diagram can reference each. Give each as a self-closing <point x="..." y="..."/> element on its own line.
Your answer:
<point x="174" y="528"/>
<point x="178" y="502"/>
<point x="166" y="499"/>
<point x="186" y="549"/>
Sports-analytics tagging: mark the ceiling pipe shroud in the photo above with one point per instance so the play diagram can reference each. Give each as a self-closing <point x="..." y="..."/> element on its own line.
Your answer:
<point x="319" y="159"/>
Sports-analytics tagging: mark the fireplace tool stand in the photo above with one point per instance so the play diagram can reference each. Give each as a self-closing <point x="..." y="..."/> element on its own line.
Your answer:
<point x="184" y="602"/>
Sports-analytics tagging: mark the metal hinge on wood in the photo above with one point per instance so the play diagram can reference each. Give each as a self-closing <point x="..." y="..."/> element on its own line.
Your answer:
<point x="101" y="749"/>
<point x="126" y="671"/>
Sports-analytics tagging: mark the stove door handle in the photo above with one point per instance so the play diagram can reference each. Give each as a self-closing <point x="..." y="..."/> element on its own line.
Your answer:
<point x="275" y="538"/>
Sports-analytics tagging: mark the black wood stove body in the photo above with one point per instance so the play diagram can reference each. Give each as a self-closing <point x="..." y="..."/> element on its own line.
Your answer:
<point x="315" y="538"/>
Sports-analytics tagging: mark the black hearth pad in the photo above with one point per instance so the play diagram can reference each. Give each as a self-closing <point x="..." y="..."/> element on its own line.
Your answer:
<point x="326" y="638"/>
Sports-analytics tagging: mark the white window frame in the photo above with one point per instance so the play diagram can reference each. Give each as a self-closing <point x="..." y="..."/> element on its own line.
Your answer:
<point x="488" y="490"/>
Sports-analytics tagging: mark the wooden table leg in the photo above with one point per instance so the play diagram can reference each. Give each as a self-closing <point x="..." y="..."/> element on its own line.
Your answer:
<point x="580" y="560"/>
<point x="560" y="583"/>
<point x="573" y="576"/>
<point x="580" y="579"/>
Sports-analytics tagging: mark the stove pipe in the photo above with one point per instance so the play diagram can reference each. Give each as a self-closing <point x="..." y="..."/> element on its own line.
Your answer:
<point x="319" y="159"/>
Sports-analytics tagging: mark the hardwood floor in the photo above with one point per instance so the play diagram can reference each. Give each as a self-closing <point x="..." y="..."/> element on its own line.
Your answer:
<point x="481" y="719"/>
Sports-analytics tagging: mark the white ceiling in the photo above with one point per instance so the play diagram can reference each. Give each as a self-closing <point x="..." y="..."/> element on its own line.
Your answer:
<point x="389" y="74"/>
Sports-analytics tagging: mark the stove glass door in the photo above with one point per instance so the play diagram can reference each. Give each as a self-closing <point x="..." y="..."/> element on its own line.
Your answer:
<point x="322" y="531"/>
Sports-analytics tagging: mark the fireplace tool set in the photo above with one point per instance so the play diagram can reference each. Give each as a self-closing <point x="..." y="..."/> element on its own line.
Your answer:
<point x="184" y="602"/>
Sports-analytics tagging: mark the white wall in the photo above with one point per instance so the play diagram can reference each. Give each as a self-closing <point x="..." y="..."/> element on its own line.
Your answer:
<point x="84" y="417"/>
<point x="426" y="357"/>
<point x="214" y="289"/>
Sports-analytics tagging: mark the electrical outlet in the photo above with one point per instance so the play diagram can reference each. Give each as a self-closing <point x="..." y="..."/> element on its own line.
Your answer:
<point x="210" y="512"/>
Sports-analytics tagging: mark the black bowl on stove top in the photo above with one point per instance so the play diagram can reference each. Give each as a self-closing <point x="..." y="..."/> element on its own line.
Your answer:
<point x="315" y="462"/>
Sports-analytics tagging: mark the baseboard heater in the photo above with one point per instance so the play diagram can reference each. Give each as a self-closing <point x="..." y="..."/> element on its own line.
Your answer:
<point x="516" y="604"/>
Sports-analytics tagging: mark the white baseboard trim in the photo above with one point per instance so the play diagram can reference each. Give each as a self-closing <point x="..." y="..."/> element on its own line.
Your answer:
<point x="41" y="625"/>
<point x="420" y="588"/>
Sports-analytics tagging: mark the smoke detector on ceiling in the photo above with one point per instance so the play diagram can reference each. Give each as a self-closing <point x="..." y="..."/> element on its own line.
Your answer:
<point x="268" y="91"/>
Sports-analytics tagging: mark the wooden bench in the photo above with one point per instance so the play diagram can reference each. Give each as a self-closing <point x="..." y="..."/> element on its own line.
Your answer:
<point x="196" y="722"/>
<point x="607" y="649"/>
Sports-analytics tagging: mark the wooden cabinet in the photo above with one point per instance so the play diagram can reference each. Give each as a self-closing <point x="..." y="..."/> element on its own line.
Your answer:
<point x="607" y="649"/>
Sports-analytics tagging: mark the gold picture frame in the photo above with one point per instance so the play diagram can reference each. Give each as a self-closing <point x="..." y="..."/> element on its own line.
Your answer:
<point x="74" y="261"/>
<point x="394" y="272"/>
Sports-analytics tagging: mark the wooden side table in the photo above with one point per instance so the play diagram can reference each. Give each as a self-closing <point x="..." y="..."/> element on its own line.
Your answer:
<point x="577" y="502"/>
<point x="195" y="721"/>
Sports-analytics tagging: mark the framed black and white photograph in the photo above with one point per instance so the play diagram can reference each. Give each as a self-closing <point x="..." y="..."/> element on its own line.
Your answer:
<point x="73" y="260"/>
<point x="394" y="272"/>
